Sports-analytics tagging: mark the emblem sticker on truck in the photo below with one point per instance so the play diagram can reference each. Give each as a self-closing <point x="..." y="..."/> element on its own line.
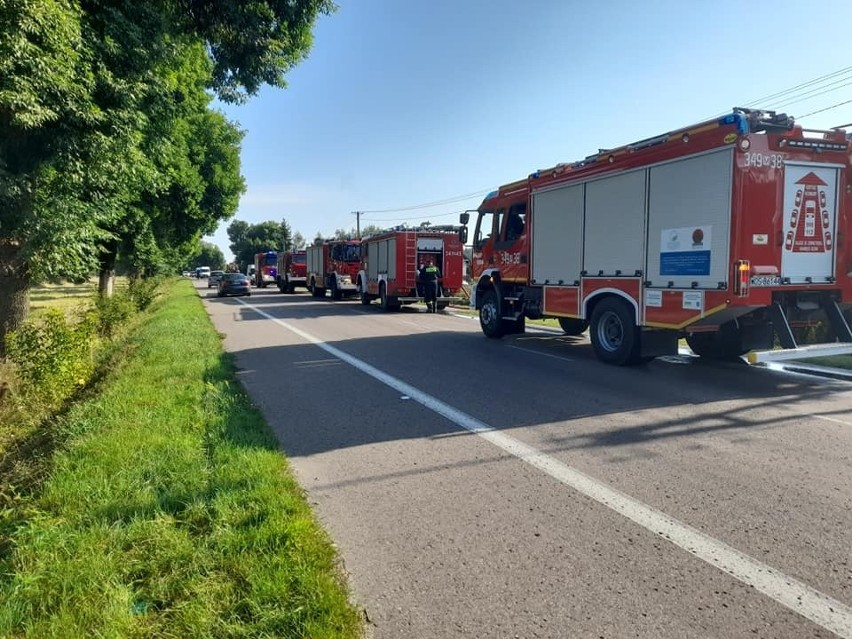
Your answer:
<point x="810" y="194"/>
<point x="685" y="251"/>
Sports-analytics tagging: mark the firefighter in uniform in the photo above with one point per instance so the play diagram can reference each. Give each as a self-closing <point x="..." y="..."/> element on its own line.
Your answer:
<point x="429" y="276"/>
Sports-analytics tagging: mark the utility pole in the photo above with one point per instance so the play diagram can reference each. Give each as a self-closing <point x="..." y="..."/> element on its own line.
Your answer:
<point x="357" y="215"/>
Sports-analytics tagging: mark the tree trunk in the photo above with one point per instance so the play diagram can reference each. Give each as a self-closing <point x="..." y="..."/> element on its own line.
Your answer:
<point x="14" y="290"/>
<point x="106" y="274"/>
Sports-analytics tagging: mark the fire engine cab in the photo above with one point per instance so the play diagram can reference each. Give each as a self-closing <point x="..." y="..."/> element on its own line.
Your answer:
<point x="333" y="266"/>
<point x="292" y="271"/>
<point x="732" y="233"/>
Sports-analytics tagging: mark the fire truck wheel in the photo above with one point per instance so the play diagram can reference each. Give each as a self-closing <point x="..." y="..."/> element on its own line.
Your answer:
<point x="489" y="315"/>
<point x="573" y="326"/>
<point x="388" y="303"/>
<point x="724" y="344"/>
<point x="615" y="337"/>
<point x="365" y="297"/>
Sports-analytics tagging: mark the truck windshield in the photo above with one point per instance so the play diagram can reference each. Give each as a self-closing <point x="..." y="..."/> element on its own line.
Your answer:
<point x="299" y="259"/>
<point x="484" y="229"/>
<point x="346" y="252"/>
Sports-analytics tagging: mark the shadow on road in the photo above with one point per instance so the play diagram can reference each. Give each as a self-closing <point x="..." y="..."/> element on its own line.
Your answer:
<point x="315" y="402"/>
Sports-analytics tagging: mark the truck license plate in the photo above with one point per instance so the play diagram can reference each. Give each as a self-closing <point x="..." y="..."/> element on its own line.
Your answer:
<point x="766" y="280"/>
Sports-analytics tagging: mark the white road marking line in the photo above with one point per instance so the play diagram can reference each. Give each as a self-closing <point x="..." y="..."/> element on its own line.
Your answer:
<point x="796" y="595"/>
<point x="529" y="350"/>
<point x="832" y="419"/>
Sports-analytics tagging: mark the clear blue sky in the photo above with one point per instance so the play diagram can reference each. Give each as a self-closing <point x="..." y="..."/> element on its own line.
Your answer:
<point x="404" y="102"/>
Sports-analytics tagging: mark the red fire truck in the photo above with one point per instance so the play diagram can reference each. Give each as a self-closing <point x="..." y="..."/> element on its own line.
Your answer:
<point x="292" y="271"/>
<point x="732" y="233"/>
<point x="265" y="268"/>
<point x="334" y="266"/>
<point x="391" y="260"/>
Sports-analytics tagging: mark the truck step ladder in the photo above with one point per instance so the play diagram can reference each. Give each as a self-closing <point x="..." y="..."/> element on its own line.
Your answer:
<point x="410" y="258"/>
<point x="791" y="350"/>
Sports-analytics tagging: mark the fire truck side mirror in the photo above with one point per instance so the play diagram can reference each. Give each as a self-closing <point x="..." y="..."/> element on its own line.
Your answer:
<point x="463" y="235"/>
<point x="464" y="218"/>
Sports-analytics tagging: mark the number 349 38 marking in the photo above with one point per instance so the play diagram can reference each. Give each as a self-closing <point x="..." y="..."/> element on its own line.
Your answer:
<point x="764" y="160"/>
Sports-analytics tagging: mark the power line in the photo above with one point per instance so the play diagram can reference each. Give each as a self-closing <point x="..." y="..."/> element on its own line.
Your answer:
<point x="813" y="93"/>
<point x="787" y="94"/>
<point x="405" y="219"/>
<point x="833" y="106"/>
<point x="426" y="205"/>
<point x="786" y="97"/>
<point x="782" y="93"/>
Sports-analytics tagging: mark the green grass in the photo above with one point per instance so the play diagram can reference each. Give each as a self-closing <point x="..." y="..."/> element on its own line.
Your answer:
<point x="832" y="361"/>
<point x="168" y="510"/>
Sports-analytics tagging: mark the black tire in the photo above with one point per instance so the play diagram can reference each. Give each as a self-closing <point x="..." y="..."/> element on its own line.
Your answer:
<point x="336" y="293"/>
<point x="365" y="296"/>
<point x="515" y="327"/>
<point x="489" y="315"/>
<point x="573" y="326"/>
<point x="615" y="336"/>
<point x="388" y="303"/>
<point x="724" y="344"/>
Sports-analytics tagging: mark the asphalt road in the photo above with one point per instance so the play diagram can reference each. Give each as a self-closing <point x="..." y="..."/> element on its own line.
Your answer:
<point x="520" y="488"/>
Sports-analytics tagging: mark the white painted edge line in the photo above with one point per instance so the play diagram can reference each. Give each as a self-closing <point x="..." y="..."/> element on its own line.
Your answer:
<point x="832" y="419"/>
<point x="808" y="602"/>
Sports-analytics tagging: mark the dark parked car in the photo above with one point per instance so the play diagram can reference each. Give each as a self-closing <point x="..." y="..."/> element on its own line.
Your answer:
<point x="233" y="284"/>
<point x="213" y="280"/>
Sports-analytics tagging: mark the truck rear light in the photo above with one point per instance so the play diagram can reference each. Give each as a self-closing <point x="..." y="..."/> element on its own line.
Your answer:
<point x="742" y="277"/>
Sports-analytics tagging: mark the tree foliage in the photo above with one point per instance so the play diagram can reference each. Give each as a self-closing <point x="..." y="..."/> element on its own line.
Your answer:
<point x="247" y="240"/>
<point x="108" y="143"/>
<point x="209" y="255"/>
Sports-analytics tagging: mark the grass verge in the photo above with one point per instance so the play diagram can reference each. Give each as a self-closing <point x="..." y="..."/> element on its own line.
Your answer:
<point x="832" y="361"/>
<point x="169" y="510"/>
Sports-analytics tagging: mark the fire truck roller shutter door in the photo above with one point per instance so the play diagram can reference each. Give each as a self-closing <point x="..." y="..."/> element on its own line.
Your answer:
<point x="615" y="224"/>
<point x="689" y="221"/>
<point x="558" y="234"/>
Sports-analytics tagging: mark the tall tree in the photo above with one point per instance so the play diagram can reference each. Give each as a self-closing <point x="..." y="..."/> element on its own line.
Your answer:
<point x="81" y="83"/>
<point x="298" y="241"/>
<point x="44" y="93"/>
<point x="247" y="240"/>
<point x="209" y="255"/>
<point x="286" y="236"/>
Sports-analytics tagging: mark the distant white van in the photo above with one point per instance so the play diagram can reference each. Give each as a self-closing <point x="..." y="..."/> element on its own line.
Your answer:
<point x="202" y="271"/>
<point x="250" y="270"/>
